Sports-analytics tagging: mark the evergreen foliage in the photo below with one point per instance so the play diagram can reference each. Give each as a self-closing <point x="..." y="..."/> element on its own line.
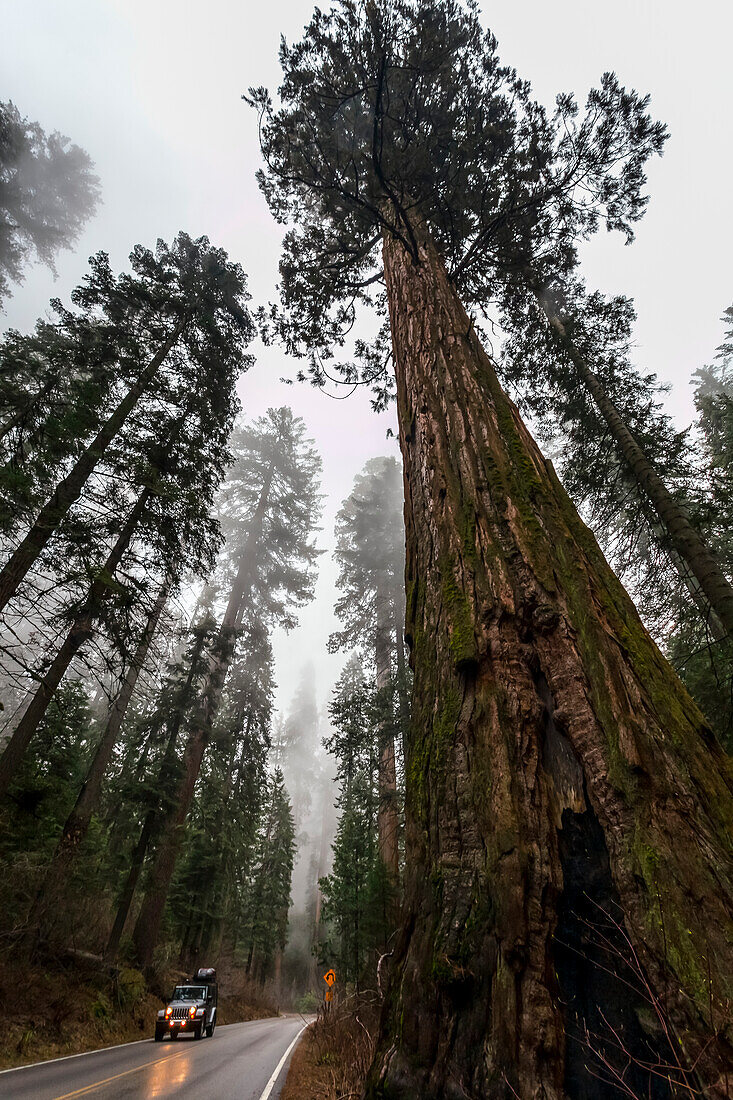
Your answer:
<point x="358" y="894"/>
<point x="48" y="192"/>
<point x="393" y="121"/>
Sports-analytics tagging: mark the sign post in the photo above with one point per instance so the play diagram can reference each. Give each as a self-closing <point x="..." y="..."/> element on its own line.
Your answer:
<point x="330" y="979"/>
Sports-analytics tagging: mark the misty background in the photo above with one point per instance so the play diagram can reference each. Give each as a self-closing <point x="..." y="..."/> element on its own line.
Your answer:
<point x="152" y="91"/>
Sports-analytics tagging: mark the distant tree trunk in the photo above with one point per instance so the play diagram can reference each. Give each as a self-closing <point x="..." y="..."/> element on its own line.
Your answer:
<point x="137" y="861"/>
<point x="388" y="822"/>
<point x="147" y="927"/>
<point x="80" y="631"/>
<point x="78" y="821"/>
<point x="69" y="489"/>
<point x="278" y="977"/>
<point x="559" y="777"/>
<point x="151" y="823"/>
<point x="684" y="539"/>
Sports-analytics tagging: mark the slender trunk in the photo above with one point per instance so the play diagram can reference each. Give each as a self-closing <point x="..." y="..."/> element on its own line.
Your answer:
<point x="137" y="860"/>
<point x="278" y="977"/>
<point x="151" y="824"/>
<point x="147" y="927"/>
<point x="684" y="539"/>
<point x="322" y="855"/>
<point x="562" y="786"/>
<point x="78" y="821"/>
<point x="80" y="631"/>
<point x="388" y="822"/>
<point x="69" y="489"/>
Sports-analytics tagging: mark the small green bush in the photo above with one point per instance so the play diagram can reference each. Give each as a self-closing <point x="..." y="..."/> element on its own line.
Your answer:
<point x="309" y="1002"/>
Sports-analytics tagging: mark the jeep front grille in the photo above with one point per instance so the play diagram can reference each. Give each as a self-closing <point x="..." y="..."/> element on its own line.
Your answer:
<point x="180" y="1013"/>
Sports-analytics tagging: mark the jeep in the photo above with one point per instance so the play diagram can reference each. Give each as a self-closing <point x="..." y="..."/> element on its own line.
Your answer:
<point x="191" y="1010"/>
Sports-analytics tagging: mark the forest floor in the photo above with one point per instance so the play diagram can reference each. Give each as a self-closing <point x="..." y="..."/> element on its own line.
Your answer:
<point x="54" y="1011"/>
<point x="332" y="1058"/>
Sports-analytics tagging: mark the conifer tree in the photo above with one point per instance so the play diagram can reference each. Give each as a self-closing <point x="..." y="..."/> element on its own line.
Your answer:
<point x="698" y="647"/>
<point x="169" y="513"/>
<point x="358" y="892"/>
<point x="48" y="192"/>
<point x="267" y="916"/>
<point x="370" y="539"/>
<point x="155" y="791"/>
<point x="551" y="746"/>
<point x="53" y="386"/>
<point x="183" y="305"/>
<point x="211" y="892"/>
<point x="270" y="505"/>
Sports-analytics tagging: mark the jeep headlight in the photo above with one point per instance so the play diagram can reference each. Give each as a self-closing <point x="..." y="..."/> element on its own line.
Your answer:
<point x="169" y="1011"/>
<point x="192" y="1011"/>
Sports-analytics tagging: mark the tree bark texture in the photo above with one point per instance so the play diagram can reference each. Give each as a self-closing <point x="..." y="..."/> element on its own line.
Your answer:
<point x="684" y="539"/>
<point x="147" y="926"/>
<point x="561" y="784"/>
<point x="388" y="822"/>
<point x="69" y="489"/>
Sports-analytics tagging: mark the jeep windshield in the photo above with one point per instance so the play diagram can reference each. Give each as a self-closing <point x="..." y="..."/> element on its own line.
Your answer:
<point x="189" y="993"/>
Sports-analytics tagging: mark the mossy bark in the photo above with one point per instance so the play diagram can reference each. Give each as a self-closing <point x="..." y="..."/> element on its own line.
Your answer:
<point x="388" y="822"/>
<point x="556" y="769"/>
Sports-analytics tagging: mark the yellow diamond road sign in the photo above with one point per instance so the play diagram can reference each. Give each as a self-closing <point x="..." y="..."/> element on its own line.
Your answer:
<point x="329" y="977"/>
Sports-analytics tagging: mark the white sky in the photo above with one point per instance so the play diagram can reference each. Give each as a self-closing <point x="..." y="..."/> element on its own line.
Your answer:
<point x="151" y="88"/>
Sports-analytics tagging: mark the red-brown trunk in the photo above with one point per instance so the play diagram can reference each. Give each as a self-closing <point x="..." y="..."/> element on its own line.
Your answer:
<point x="560" y="782"/>
<point x="388" y="822"/>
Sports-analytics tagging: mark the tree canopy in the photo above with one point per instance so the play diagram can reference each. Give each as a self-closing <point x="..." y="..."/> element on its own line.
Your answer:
<point x="48" y="192"/>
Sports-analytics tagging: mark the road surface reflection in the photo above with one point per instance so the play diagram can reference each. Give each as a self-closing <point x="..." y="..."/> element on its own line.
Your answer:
<point x="166" y="1076"/>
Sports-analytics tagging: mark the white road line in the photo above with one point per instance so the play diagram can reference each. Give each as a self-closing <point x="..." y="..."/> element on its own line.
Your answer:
<point x="271" y="1083"/>
<point x="81" y="1054"/>
<point x="118" y="1046"/>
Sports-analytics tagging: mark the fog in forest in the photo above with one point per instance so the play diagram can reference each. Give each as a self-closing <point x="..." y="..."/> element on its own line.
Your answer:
<point x="365" y="510"/>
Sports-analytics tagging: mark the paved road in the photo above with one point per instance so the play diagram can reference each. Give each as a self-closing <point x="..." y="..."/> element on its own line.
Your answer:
<point x="237" y="1063"/>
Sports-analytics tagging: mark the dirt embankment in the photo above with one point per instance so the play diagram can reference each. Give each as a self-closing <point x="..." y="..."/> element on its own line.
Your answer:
<point x="56" y="1010"/>
<point x="333" y="1056"/>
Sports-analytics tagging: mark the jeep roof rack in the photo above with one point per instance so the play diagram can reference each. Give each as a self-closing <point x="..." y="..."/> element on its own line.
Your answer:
<point x="205" y="974"/>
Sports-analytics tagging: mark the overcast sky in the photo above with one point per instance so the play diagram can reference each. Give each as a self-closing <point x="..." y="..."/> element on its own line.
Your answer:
<point x="151" y="88"/>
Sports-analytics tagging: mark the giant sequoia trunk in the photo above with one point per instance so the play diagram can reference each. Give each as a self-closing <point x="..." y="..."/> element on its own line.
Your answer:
<point x="388" y="822"/>
<point x="569" y="814"/>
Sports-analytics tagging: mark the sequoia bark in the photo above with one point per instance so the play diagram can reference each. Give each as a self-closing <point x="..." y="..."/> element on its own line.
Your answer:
<point x="561" y="784"/>
<point x="388" y="822"/>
